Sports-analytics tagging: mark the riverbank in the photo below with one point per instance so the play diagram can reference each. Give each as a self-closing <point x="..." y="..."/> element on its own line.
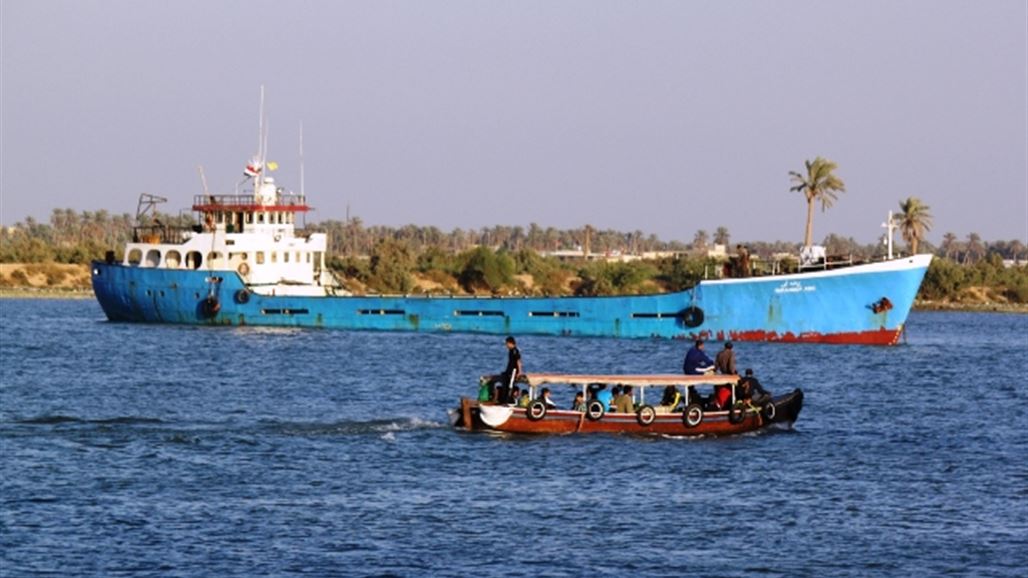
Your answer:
<point x="987" y="307"/>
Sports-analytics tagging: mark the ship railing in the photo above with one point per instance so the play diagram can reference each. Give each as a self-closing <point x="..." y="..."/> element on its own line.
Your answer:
<point x="212" y="202"/>
<point x="829" y="262"/>
<point x="760" y="268"/>
<point x="161" y="234"/>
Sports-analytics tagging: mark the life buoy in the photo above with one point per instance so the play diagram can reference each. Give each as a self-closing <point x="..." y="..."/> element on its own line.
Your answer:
<point x="243" y="269"/>
<point x="770" y="410"/>
<point x="210" y="305"/>
<point x="595" y="410"/>
<point x="242" y="297"/>
<point x="646" y="415"/>
<point x="693" y="415"/>
<point x="692" y="316"/>
<point x="536" y="410"/>
<point x="737" y="413"/>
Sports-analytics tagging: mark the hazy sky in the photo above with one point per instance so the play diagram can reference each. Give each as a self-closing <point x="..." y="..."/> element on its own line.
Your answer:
<point x="665" y="117"/>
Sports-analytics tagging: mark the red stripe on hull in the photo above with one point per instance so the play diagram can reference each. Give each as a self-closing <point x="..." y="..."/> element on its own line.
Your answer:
<point x="880" y="337"/>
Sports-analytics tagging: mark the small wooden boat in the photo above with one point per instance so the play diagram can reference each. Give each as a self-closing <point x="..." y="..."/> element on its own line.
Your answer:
<point x="690" y="417"/>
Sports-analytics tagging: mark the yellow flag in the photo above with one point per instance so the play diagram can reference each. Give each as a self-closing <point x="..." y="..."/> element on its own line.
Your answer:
<point x="272" y="166"/>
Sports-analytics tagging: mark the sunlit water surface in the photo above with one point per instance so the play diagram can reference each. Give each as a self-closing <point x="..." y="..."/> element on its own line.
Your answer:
<point x="195" y="451"/>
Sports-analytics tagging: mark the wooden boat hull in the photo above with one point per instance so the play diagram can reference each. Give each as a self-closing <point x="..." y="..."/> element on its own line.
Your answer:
<point x="473" y="416"/>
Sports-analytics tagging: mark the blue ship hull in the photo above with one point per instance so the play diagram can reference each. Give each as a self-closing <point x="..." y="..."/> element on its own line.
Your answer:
<point x="862" y="304"/>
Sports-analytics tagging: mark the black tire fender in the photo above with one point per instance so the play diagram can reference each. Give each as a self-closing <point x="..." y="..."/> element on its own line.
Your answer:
<point x="693" y="415"/>
<point x="737" y="413"/>
<point x="646" y="415"/>
<point x="692" y="316"/>
<point x="595" y="410"/>
<point x="536" y="410"/>
<point x="242" y="297"/>
<point x="770" y="411"/>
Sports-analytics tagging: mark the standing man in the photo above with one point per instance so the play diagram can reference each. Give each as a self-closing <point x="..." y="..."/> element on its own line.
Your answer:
<point x="696" y="361"/>
<point x="511" y="373"/>
<point x="744" y="261"/>
<point x="724" y="363"/>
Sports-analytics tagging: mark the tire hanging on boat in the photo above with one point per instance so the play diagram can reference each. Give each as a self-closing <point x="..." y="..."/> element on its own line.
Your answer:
<point x="595" y="410"/>
<point x="692" y="316"/>
<point x="737" y="413"/>
<point x="693" y="415"/>
<point x="536" y="410"/>
<point x="646" y="415"/>
<point x="242" y="297"/>
<point x="770" y="411"/>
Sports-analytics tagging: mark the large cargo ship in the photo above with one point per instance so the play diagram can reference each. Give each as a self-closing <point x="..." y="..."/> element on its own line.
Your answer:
<point x="246" y="264"/>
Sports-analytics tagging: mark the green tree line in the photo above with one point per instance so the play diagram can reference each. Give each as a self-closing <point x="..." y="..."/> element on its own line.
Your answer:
<point x="497" y="259"/>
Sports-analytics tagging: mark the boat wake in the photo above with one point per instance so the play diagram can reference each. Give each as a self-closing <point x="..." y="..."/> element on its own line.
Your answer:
<point x="383" y="427"/>
<point x="58" y="419"/>
<point x="387" y="427"/>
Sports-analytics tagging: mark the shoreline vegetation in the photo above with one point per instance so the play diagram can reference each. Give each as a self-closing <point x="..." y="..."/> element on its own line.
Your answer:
<point x="52" y="260"/>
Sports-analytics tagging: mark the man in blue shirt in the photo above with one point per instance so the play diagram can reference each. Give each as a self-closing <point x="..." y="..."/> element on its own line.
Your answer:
<point x="696" y="361"/>
<point x="603" y="395"/>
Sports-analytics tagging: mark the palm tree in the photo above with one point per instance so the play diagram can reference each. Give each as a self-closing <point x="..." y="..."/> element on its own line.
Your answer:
<point x="721" y="236"/>
<point x="818" y="183"/>
<point x="975" y="249"/>
<point x="700" y="240"/>
<point x="914" y="221"/>
<point x="949" y="245"/>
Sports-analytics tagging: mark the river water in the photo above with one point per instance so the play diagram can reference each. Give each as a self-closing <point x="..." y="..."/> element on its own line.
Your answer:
<point x="193" y="451"/>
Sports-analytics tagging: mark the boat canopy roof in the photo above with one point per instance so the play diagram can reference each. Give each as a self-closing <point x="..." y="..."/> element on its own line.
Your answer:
<point x="536" y="379"/>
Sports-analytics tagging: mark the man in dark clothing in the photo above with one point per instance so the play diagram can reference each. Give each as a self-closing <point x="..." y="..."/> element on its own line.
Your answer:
<point x="725" y="360"/>
<point x="513" y="370"/>
<point x="752" y="389"/>
<point x="696" y="361"/>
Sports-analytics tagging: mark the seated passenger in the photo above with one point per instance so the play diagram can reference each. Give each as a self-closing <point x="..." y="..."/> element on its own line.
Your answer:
<point x="579" y="403"/>
<point x="696" y="361"/>
<point x="624" y="403"/>
<point x="671" y="398"/>
<point x="604" y="396"/>
<point x="545" y="398"/>
<point x="525" y="399"/>
<point x="751" y="389"/>
<point x="722" y="397"/>
<point x="694" y="396"/>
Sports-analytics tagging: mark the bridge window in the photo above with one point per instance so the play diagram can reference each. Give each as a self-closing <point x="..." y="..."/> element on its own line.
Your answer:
<point x="274" y="256"/>
<point x="172" y="259"/>
<point x="193" y="260"/>
<point x="153" y="258"/>
<point x="285" y="256"/>
<point x="135" y="256"/>
<point x="260" y="257"/>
